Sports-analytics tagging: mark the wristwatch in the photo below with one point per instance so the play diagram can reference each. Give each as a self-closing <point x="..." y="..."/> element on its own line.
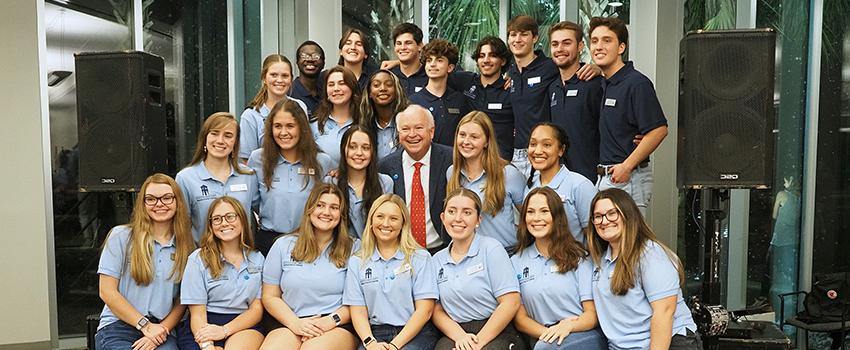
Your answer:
<point x="336" y="318"/>
<point x="368" y="340"/>
<point x="142" y="323"/>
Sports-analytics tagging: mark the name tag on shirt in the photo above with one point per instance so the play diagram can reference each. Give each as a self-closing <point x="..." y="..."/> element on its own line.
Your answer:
<point x="533" y="80"/>
<point x="554" y="268"/>
<point x="417" y="88"/>
<point x="610" y="102"/>
<point x="254" y="269"/>
<point x="474" y="269"/>
<point x="302" y="171"/>
<point x="572" y="92"/>
<point x="238" y="188"/>
<point x="402" y="269"/>
<point x="494" y="106"/>
<point x="454" y="110"/>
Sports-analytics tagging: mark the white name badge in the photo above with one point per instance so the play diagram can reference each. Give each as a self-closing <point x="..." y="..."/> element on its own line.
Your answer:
<point x="402" y="269"/>
<point x="474" y="269"/>
<point x="238" y="188"/>
<point x="494" y="106"/>
<point x="554" y="268"/>
<point x="572" y="92"/>
<point x="417" y="88"/>
<point x="533" y="80"/>
<point x="610" y="102"/>
<point x="302" y="171"/>
<point x="454" y="110"/>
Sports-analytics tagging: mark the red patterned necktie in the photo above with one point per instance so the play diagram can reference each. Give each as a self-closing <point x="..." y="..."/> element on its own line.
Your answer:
<point x="417" y="206"/>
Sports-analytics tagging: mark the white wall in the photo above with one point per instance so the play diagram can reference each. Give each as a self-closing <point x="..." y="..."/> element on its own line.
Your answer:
<point x="25" y="254"/>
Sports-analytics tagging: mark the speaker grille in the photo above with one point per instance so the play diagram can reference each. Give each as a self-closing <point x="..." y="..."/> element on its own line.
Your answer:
<point x="726" y="113"/>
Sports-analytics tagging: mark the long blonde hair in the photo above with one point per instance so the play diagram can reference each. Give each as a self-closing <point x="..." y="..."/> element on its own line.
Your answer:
<point x="263" y="94"/>
<point x="219" y="120"/>
<point x="406" y="243"/>
<point x="306" y="247"/>
<point x="634" y="234"/>
<point x="140" y="251"/>
<point x="210" y="243"/>
<point x="494" y="165"/>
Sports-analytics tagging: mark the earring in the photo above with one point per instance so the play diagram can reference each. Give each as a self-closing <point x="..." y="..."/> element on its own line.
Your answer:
<point x="205" y="149"/>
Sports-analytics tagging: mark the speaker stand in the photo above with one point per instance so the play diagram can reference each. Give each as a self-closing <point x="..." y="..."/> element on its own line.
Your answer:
<point x="713" y="215"/>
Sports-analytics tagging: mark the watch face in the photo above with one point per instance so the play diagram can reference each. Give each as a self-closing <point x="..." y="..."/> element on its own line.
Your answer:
<point x="336" y="318"/>
<point x="367" y="340"/>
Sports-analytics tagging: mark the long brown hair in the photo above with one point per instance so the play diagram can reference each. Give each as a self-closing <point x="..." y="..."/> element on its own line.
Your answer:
<point x="307" y="148"/>
<point x="372" y="184"/>
<point x="219" y="120"/>
<point x="323" y="112"/>
<point x="210" y="243"/>
<point x="306" y="247"/>
<point x="494" y="165"/>
<point x="564" y="250"/>
<point x="634" y="233"/>
<point x="141" y="240"/>
<point x="263" y="94"/>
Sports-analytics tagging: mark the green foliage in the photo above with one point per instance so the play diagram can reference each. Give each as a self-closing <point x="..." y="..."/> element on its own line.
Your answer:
<point x="547" y="13"/>
<point x="587" y="9"/>
<point x="464" y="23"/>
<point x="710" y="14"/>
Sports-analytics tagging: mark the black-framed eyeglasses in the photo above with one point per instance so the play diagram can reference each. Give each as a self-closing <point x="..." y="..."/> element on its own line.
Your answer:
<point x="217" y="219"/>
<point x="310" y="57"/>
<point x="611" y="215"/>
<point x="166" y="199"/>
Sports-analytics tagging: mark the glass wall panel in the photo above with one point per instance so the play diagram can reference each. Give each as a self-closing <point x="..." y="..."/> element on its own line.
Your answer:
<point x="832" y="194"/>
<point x="377" y="18"/>
<point x="86" y="26"/>
<point x="464" y="23"/>
<point x="547" y="13"/>
<point x="587" y="9"/>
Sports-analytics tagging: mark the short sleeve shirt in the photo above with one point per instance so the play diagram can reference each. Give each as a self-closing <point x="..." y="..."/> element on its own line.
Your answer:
<point x="495" y="101"/>
<point x="469" y="288"/>
<point x="330" y="139"/>
<point x="232" y="292"/>
<point x="574" y="105"/>
<point x="528" y="95"/>
<point x="447" y="111"/>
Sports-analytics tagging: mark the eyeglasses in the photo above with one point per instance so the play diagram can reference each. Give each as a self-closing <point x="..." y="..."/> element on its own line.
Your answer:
<point x="310" y="57"/>
<point x="612" y="215"/>
<point x="217" y="219"/>
<point x="166" y="199"/>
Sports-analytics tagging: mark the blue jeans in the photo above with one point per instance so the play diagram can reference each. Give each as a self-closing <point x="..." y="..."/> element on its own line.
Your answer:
<point x="423" y="341"/>
<point x="520" y="161"/>
<point x="120" y="336"/>
<point x="587" y="340"/>
<point x="639" y="186"/>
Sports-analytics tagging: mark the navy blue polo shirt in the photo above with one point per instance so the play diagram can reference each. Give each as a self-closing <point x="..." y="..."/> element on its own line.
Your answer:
<point x="300" y="92"/>
<point x="528" y="95"/>
<point x="629" y="107"/>
<point x="574" y="106"/>
<point x="447" y="111"/>
<point x="494" y="100"/>
<point x="411" y="84"/>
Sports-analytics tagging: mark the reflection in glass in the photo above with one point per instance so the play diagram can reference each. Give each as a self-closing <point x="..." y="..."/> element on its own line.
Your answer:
<point x="78" y="225"/>
<point x="377" y="18"/>
<point x="464" y="23"/>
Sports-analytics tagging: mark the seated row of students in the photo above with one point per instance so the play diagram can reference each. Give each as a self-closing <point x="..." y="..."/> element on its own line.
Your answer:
<point x="324" y="290"/>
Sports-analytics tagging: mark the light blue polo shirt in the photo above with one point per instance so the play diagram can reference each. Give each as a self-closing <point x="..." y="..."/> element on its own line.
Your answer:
<point x="155" y="299"/>
<point x="231" y="293"/>
<point x="625" y="319"/>
<point x="200" y="189"/>
<point x="252" y="127"/>
<point x="576" y="192"/>
<point x="503" y="225"/>
<point x="388" y="288"/>
<point x="469" y="288"/>
<point x="387" y="138"/>
<point x="356" y="217"/>
<point x="331" y="138"/>
<point x="282" y="205"/>
<point x="309" y="288"/>
<point x="550" y="296"/>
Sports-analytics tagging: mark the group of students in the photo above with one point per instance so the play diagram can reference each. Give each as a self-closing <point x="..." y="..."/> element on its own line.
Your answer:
<point x="386" y="224"/>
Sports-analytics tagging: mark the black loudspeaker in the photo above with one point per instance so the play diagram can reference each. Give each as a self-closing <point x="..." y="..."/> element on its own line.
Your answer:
<point x="120" y="119"/>
<point x="726" y="109"/>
